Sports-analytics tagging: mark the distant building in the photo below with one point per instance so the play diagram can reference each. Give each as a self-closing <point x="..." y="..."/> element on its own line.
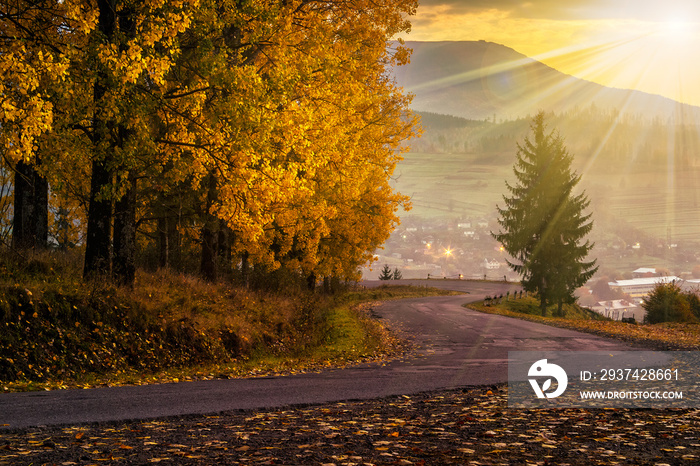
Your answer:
<point x="619" y="309"/>
<point x="492" y="264"/>
<point x="644" y="272"/>
<point x="641" y="287"/>
<point x="692" y="285"/>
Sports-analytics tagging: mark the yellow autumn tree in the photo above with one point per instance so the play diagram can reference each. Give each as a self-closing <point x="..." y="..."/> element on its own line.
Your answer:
<point x="277" y="118"/>
<point x="28" y="66"/>
<point x="330" y="118"/>
<point x="32" y="66"/>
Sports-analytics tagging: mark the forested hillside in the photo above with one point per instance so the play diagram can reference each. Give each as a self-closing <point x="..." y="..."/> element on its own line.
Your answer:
<point x="596" y="136"/>
<point x="479" y="79"/>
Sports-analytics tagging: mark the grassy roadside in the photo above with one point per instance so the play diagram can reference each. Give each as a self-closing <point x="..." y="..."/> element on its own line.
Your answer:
<point x="57" y="331"/>
<point x="664" y="336"/>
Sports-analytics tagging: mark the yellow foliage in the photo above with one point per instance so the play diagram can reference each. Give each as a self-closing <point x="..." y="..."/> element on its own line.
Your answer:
<point x="286" y="104"/>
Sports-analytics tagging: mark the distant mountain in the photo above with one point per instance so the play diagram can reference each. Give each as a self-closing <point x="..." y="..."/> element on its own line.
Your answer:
<point x="480" y="80"/>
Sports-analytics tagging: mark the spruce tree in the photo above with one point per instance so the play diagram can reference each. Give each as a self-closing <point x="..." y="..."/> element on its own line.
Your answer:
<point x="386" y="274"/>
<point x="543" y="224"/>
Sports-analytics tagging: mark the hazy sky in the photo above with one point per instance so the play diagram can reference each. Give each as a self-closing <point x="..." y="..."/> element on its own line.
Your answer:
<point x="650" y="45"/>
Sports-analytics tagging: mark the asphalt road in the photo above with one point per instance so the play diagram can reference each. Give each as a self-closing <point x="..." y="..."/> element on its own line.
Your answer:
<point x="458" y="347"/>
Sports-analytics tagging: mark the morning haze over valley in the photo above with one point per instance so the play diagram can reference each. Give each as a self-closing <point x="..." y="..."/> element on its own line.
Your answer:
<point x="636" y="153"/>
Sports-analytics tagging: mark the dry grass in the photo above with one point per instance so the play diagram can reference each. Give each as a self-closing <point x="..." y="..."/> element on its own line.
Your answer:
<point x="665" y="336"/>
<point x="60" y="331"/>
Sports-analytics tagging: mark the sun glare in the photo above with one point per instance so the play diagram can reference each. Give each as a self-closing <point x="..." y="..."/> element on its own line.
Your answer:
<point x="675" y="30"/>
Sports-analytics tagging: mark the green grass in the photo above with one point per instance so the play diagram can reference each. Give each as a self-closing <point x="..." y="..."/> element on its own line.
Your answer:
<point x="528" y="305"/>
<point x="393" y="291"/>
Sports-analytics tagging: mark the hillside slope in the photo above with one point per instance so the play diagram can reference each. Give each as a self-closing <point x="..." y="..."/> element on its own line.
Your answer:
<point x="481" y="80"/>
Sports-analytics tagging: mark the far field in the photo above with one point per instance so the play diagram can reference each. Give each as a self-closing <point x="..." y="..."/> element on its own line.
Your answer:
<point x="470" y="185"/>
<point x="452" y="185"/>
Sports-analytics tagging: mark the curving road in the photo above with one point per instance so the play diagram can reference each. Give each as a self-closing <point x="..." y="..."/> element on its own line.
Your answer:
<point x="458" y="347"/>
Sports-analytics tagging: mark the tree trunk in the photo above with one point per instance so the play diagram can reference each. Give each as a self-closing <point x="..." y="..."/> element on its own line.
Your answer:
<point x="30" y="224"/>
<point x="208" y="265"/>
<point x="225" y="246"/>
<point x="99" y="234"/>
<point x="245" y="270"/>
<point x="175" y="240"/>
<point x="98" y="238"/>
<point x="21" y="224"/>
<point x="63" y="225"/>
<point x="543" y="304"/>
<point x="41" y="211"/>
<point x="311" y="281"/>
<point x="124" y="260"/>
<point x="163" y="242"/>
<point x="169" y="221"/>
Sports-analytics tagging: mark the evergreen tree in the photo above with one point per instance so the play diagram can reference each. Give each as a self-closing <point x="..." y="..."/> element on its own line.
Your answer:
<point x="543" y="224"/>
<point x="397" y="274"/>
<point x="386" y="274"/>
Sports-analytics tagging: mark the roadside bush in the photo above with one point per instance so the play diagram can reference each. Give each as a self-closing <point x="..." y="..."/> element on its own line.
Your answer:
<point x="668" y="303"/>
<point x="694" y="302"/>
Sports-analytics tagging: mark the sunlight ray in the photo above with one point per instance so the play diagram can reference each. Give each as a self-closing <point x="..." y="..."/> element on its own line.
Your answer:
<point x="474" y="75"/>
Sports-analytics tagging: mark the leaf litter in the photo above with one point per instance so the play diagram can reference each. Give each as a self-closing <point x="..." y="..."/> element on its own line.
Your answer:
<point x="464" y="426"/>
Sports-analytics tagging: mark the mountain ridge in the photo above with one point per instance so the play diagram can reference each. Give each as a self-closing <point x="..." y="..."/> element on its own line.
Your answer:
<point x="483" y="80"/>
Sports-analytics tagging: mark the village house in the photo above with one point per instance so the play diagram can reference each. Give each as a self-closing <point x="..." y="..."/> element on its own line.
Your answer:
<point x="492" y="264"/>
<point x="619" y="309"/>
<point x="641" y="287"/>
<point x="644" y="272"/>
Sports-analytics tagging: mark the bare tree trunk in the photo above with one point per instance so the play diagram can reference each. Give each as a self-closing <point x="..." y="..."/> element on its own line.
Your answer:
<point x="208" y="265"/>
<point x="30" y="224"/>
<point x="99" y="231"/>
<point x="124" y="260"/>
<point x="543" y="305"/>
<point x="245" y="270"/>
<point x="225" y="245"/>
<point x="311" y="281"/>
<point x="98" y="238"/>
<point x="163" y="242"/>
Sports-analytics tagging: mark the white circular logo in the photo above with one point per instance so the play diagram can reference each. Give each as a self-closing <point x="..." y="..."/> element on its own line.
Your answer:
<point x="542" y="368"/>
